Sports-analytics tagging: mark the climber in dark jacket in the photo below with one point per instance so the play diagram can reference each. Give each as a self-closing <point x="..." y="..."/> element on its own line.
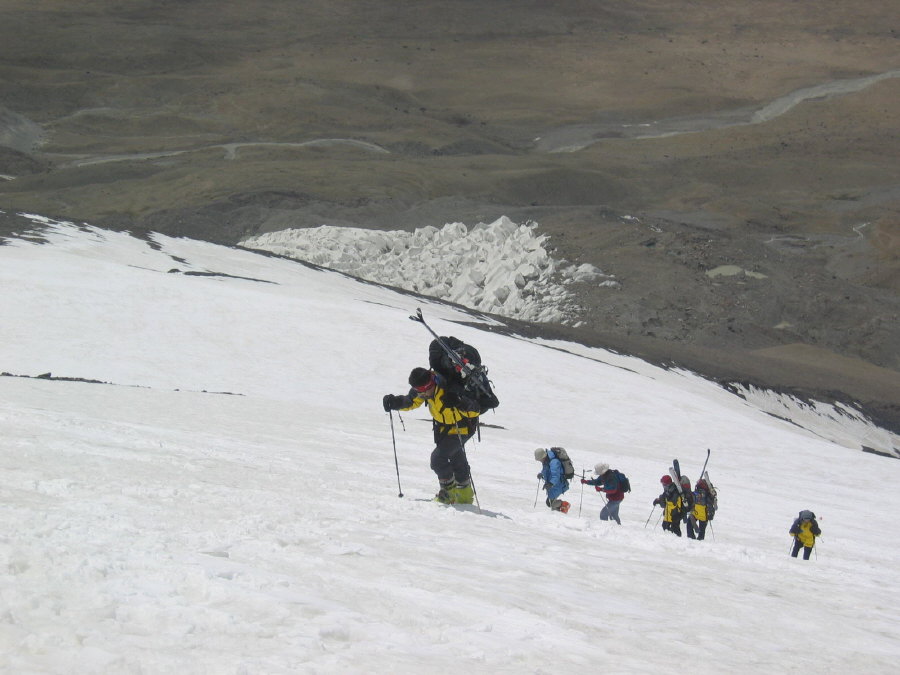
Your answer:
<point x="607" y="482"/>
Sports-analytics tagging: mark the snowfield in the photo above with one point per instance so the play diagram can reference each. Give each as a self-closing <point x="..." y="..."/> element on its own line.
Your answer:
<point x="224" y="499"/>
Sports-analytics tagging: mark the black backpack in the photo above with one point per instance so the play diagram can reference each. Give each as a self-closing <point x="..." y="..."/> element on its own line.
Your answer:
<point x="476" y="383"/>
<point x="624" y="483"/>
<point x="563" y="457"/>
<point x="441" y="362"/>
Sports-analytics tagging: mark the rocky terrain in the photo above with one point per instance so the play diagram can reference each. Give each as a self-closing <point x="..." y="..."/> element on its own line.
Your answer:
<point x="734" y="165"/>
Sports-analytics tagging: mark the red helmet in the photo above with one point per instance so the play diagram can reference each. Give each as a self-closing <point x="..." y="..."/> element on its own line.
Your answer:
<point x="666" y="480"/>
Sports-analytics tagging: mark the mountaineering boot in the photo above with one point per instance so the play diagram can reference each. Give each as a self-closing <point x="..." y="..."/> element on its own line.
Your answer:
<point x="444" y="497"/>
<point x="463" y="493"/>
<point x="560" y="505"/>
<point x="445" y="494"/>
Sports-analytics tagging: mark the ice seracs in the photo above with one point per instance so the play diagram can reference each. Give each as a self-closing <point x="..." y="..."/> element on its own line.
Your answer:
<point x="500" y="267"/>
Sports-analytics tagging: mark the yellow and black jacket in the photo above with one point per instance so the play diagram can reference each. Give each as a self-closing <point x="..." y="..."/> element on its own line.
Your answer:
<point x="671" y="501"/>
<point x="806" y="531"/>
<point x="704" y="505"/>
<point x="461" y="418"/>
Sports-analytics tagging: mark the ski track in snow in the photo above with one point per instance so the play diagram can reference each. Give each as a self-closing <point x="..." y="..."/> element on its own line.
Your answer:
<point x="155" y="528"/>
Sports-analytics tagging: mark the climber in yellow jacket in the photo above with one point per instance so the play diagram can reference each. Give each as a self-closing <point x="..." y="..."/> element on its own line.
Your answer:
<point x="804" y="530"/>
<point x="455" y="420"/>
<point x="670" y="500"/>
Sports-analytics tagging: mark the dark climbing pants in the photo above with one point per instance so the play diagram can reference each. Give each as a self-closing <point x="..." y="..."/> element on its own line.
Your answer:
<point x="806" y="549"/>
<point x="698" y="525"/>
<point x="674" y="527"/>
<point x="448" y="459"/>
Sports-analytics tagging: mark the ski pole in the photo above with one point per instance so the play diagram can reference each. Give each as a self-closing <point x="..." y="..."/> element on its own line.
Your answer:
<point x="474" y="492"/>
<point x="462" y="449"/>
<point x="581" y="498"/>
<point x="605" y="507"/>
<point x="396" y="462"/>
<point x="538" y="492"/>
<point x="650" y="516"/>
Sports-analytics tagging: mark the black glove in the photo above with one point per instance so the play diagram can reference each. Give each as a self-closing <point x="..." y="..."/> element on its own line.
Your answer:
<point x="390" y="402"/>
<point x="546" y="486"/>
<point x="540" y="474"/>
<point x="656" y="502"/>
<point x="451" y="400"/>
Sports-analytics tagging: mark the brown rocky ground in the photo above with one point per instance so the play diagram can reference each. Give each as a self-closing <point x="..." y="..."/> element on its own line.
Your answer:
<point x="217" y="119"/>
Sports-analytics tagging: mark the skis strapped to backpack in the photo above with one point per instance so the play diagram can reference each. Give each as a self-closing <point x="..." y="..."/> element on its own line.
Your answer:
<point x="675" y="473"/>
<point x="703" y="470"/>
<point x="475" y="377"/>
<point x="713" y="504"/>
<point x="685" y="491"/>
<point x="683" y="483"/>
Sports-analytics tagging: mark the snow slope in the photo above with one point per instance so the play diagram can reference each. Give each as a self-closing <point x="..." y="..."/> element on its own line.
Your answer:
<point x="227" y="502"/>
